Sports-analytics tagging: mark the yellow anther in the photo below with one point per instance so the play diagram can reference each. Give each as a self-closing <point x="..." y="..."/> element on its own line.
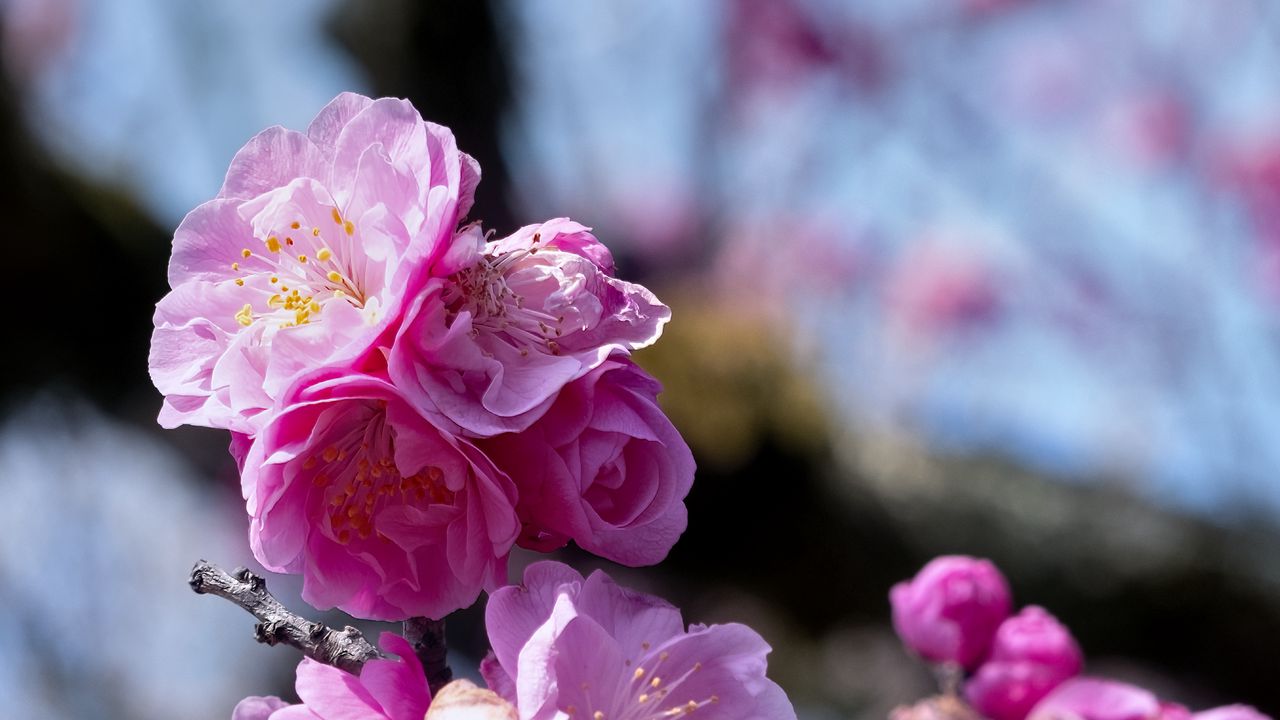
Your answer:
<point x="324" y="254"/>
<point x="245" y="252"/>
<point x="714" y="698"/>
<point x="315" y="232"/>
<point x="597" y="715"/>
<point x="273" y="244"/>
<point x="690" y="706"/>
<point x="334" y="276"/>
<point x="235" y="266"/>
<point x="288" y="241"/>
<point x="339" y="294"/>
<point x="351" y="229"/>
<point x="302" y="259"/>
<point x="284" y="288"/>
<point x="337" y="216"/>
<point x="314" y="307"/>
<point x="300" y="317"/>
<point x="245" y="316"/>
<point x="639" y="673"/>
<point x="275" y="279"/>
<point x="330" y="454"/>
<point x="295" y="224"/>
<point x="240" y="282"/>
<point x="644" y="698"/>
<point x="275" y="301"/>
<point x="697" y="666"/>
<point x="655" y="682"/>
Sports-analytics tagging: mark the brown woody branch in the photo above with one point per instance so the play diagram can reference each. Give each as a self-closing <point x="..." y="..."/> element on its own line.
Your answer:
<point x="345" y="649"/>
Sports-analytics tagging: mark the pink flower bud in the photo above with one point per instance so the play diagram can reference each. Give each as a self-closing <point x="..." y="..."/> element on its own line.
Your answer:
<point x="950" y="611"/>
<point x="1031" y="655"/>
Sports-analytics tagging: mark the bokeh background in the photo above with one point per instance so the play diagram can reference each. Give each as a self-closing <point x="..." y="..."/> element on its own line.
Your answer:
<point x="999" y="277"/>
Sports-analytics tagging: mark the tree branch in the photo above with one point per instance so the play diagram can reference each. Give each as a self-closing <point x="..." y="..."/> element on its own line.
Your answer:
<point x="428" y="641"/>
<point x="345" y="649"/>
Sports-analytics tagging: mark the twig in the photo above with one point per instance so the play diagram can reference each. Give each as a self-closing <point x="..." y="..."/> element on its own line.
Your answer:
<point x="428" y="641"/>
<point x="345" y="649"/>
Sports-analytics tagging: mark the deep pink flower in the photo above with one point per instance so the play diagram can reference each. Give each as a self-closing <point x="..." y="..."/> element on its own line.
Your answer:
<point x="950" y="611"/>
<point x="385" y="516"/>
<point x="565" y="646"/>
<point x="604" y="467"/>
<point x="1095" y="699"/>
<point x="490" y="345"/>
<point x="1032" y="653"/>
<point x="384" y="690"/>
<point x="304" y="257"/>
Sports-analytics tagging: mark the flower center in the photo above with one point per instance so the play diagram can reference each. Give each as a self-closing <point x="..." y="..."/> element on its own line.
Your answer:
<point x="357" y="476"/>
<point x="650" y="695"/>
<point x="505" y="309"/>
<point x="298" y="271"/>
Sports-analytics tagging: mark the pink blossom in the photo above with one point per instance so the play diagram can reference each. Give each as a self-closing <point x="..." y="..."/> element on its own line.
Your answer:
<point x="604" y="467"/>
<point x="490" y="345"/>
<point x="1096" y="699"/>
<point x="1230" y="712"/>
<point x="950" y="611"/>
<point x="1031" y="655"/>
<point x="384" y="516"/>
<point x="565" y="646"/>
<point x="304" y="258"/>
<point x="385" y="689"/>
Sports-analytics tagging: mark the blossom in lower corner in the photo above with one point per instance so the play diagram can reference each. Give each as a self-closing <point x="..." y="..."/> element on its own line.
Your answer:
<point x="603" y="467"/>
<point x="304" y="258"/>
<point x="384" y="516"/>
<point x="950" y="610"/>
<point x="1087" y="698"/>
<point x="489" y="346"/>
<point x="1032" y="654"/>
<point x="385" y="689"/>
<point x="569" y="647"/>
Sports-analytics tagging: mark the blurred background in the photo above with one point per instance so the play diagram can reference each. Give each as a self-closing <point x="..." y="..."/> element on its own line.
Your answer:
<point x="997" y="277"/>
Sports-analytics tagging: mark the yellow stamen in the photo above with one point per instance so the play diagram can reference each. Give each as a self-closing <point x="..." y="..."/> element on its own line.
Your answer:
<point x="245" y="252"/>
<point x="245" y="316"/>
<point x="235" y="266"/>
<point x="273" y="244"/>
<point x="337" y="216"/>
<point x="295" y="225"/>
<point x="334" y="276"/>
<point x="240" y="282"/>
<point x="324" y="254"/>
<point x="315" y="231"/>
<point x="302" y="259"/>
<point x="351" y="229"/>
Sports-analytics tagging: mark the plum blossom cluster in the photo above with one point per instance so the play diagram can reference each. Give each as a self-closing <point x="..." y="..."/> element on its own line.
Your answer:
<point x="956" y="613"/>
<point x="408" y="398"/>
<point x="409" y="395"/>
<point x="564" y="646"/>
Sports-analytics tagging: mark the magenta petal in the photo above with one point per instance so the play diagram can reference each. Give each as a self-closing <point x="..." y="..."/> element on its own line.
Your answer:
<point x="398" y="686"/>
<point x="333" y="694"/>
<point x="328" y="123"/>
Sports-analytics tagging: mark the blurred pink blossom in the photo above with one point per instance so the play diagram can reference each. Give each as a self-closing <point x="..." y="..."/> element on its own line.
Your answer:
<point x="304" y="258"/>
<point x="950" y="610"/>
<point x="604" y="467"/>
<point x="1031" y="655"/>
<point x="564" y="645"/>
<point x="384" y="516"/>
<point x="385" y="689"/>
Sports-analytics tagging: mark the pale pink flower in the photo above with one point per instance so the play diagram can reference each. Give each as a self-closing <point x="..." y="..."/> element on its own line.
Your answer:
<point x="565" y="647"/>
<point x="384" y="690"/>
<point x="950" y="611"/>
<point x="1087" y="698"/>
<point x="1230" y="712"/>
<point x="1031" y="655"/>
<point x="488" y="347"/>
<point x="304" y="258"/>
<point x="604" y="467"/>
<point x="384" y="516"/>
